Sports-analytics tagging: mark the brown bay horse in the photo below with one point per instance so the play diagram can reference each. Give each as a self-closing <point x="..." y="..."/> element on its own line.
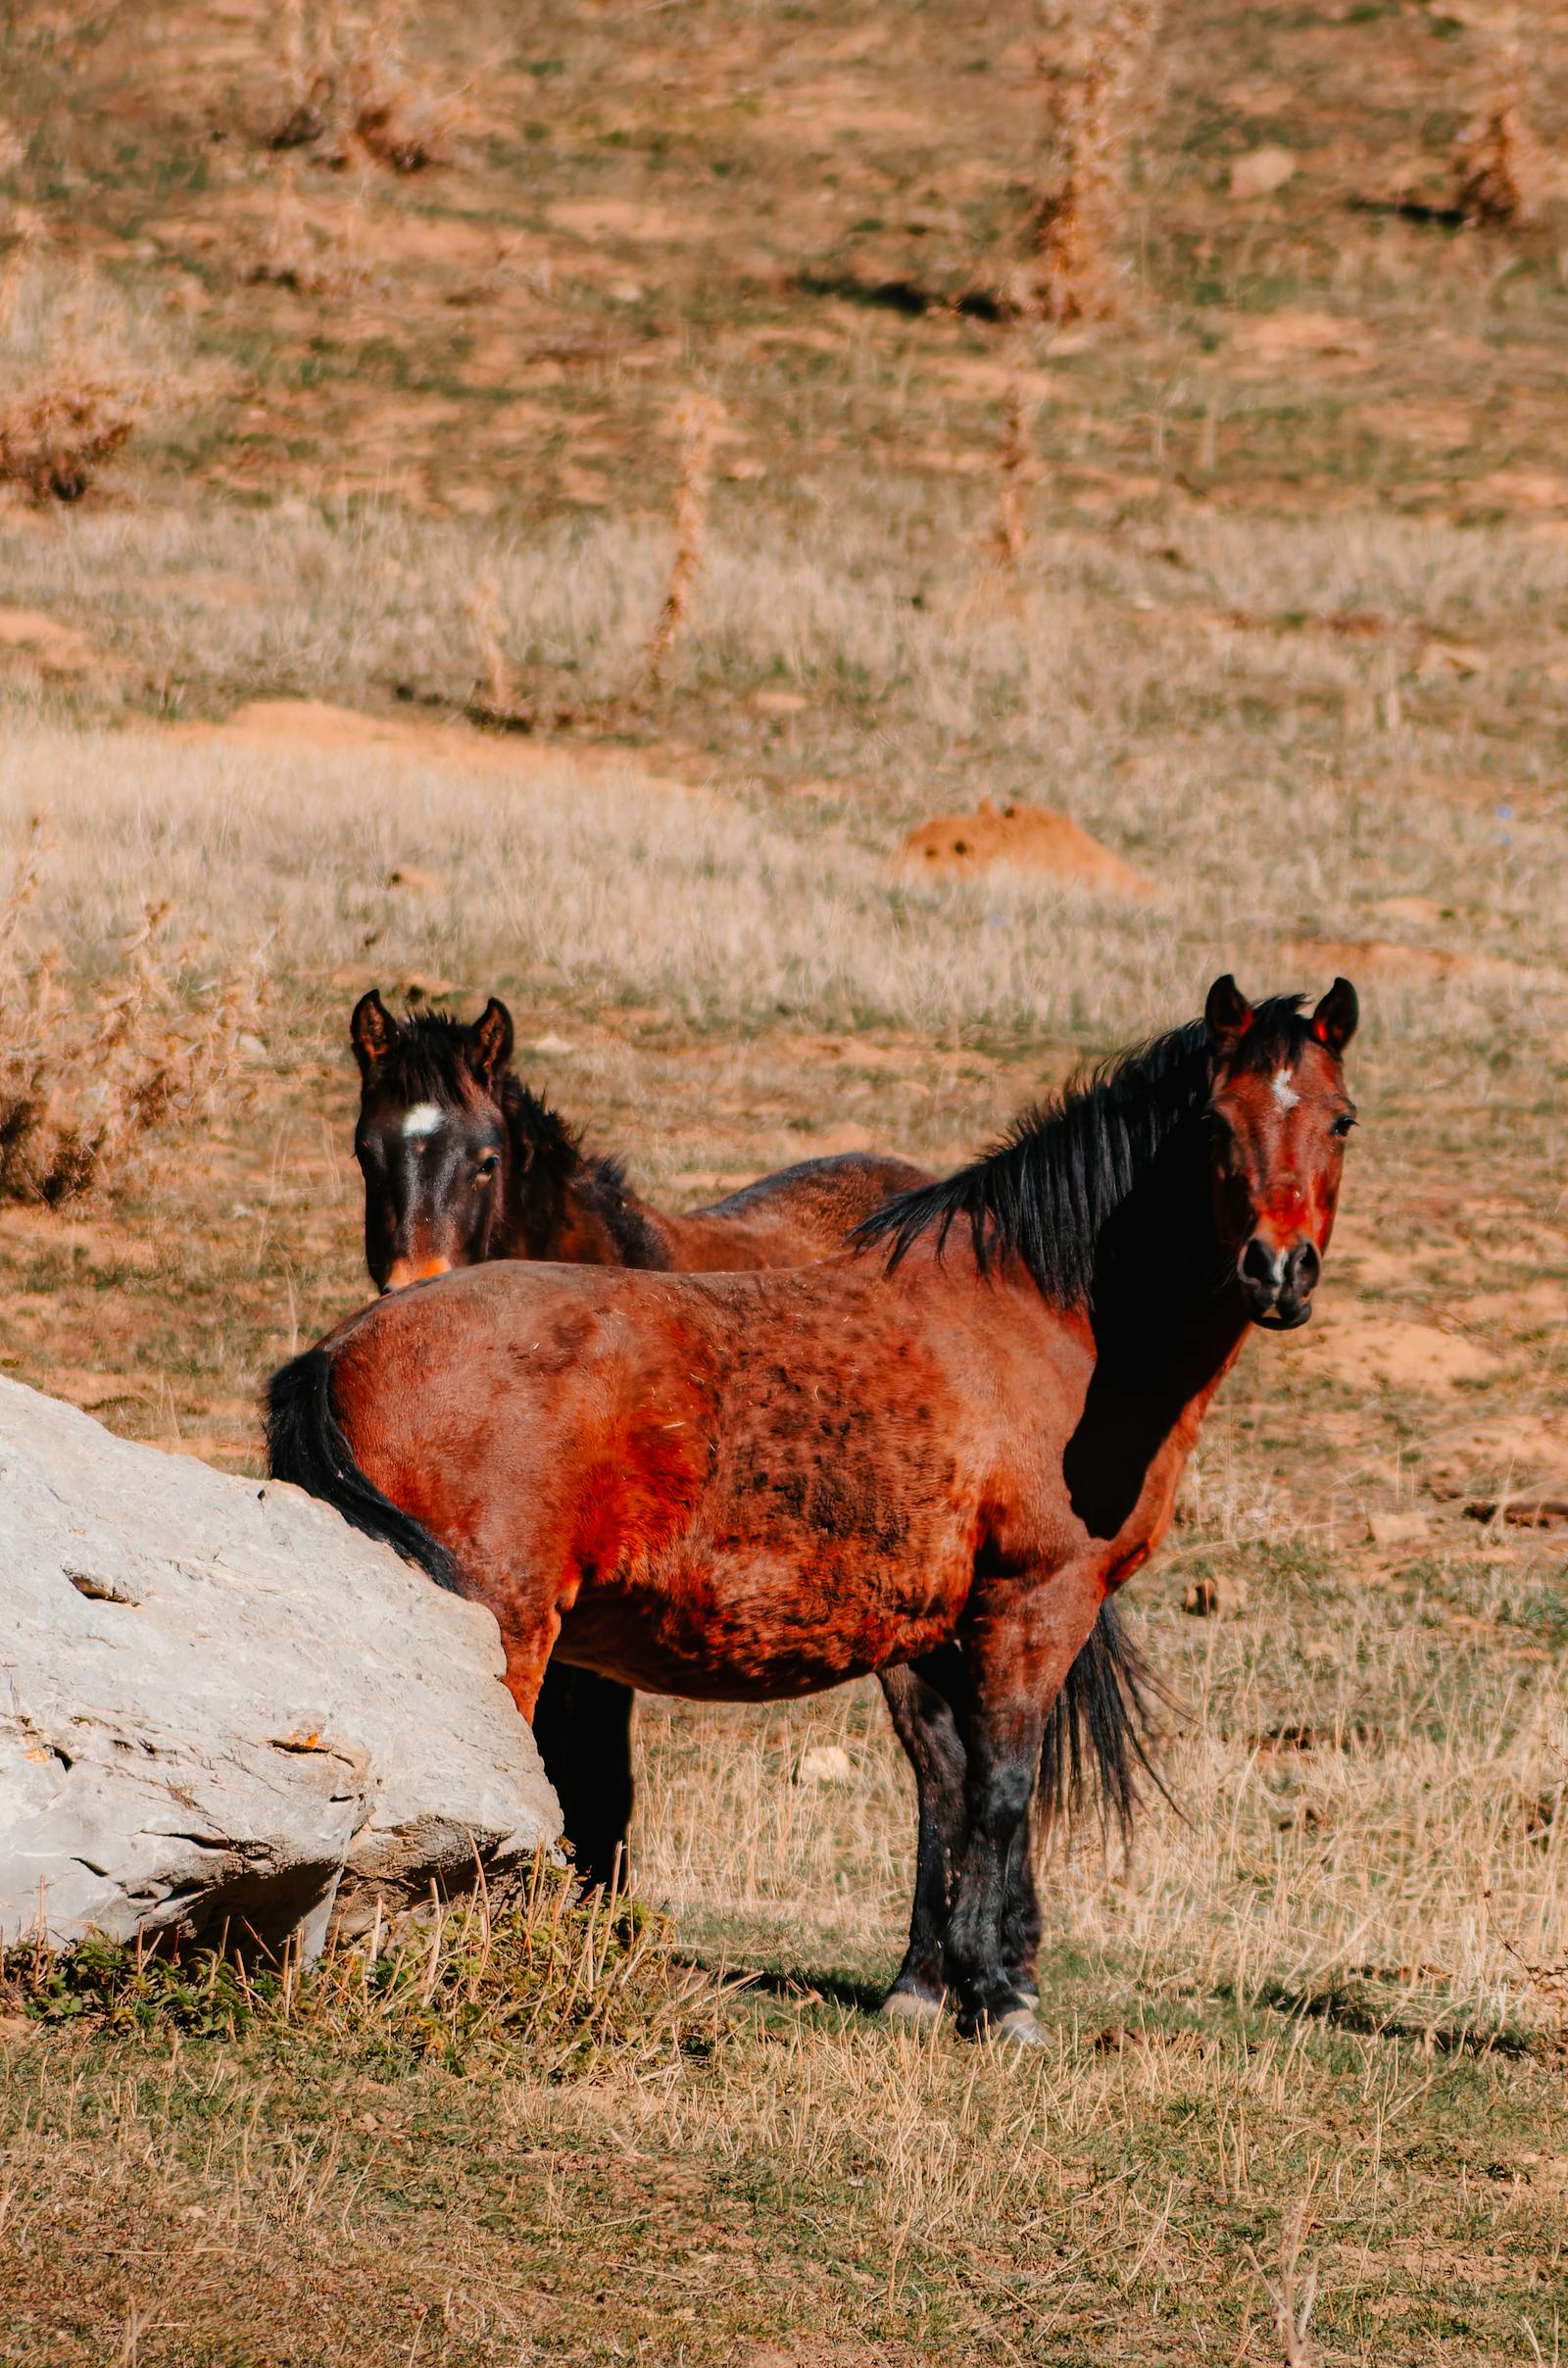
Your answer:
<point x="943" y="1460"/>
<point x="462" y="1162"/>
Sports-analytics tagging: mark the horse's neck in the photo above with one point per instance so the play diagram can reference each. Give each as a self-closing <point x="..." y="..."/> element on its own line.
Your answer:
<point x="603" y="1223"/>
<point x="1140" y="1420"/>
<point x="1167" y="1324"/>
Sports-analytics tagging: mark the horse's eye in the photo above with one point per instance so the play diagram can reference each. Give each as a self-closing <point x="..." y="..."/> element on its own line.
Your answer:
<point x="488" y="1167"/>
<point x="1342" y="1125"/>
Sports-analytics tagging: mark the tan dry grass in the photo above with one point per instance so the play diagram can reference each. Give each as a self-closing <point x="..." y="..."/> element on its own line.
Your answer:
<point x="483" y="610"/>
<point x="1387" y="1864"/>
<point x="622" y="890"/>
<point x="827" y="2194"/>
<point x="1255" y="724"/>
<point x="1187" y="744"/>
<point x="699" y="901"/>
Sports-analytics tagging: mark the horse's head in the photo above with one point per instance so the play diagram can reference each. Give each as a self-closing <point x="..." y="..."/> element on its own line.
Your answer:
<point x="431" y="1138"/>
<point x="1280" y="1116"/>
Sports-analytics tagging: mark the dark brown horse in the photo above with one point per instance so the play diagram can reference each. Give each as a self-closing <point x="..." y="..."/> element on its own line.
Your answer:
<point x="462" y="1162"/>
<point x="751" y="1487"/>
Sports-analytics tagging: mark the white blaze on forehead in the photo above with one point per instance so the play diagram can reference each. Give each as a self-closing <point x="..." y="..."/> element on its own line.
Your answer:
<point x="424" y="1118"/>
<point x="1283" y="1091"/>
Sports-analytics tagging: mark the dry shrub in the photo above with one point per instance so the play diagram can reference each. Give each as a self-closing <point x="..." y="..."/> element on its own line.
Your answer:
<point x="349" y="85"/>
<point x="298" y="251"/>
<point x="73" y="386"/>
<point x="1016" y="470"/>
<point x="496" y="690"/>
<point x="24" y="234"/>
<point x="1000" y="585"/>
<point x="54" y="437"/>
<point x="1293" y="2296"/>
<point x="696" y="424"/>
<point x="1096" y="104"/>
<point x="86" y="1079"/>
<point x="1499" y="170"/>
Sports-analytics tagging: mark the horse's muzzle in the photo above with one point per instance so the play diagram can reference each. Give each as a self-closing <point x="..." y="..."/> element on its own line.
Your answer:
<point x="1277" y="1285"/>
<point x="404" y="1271"/>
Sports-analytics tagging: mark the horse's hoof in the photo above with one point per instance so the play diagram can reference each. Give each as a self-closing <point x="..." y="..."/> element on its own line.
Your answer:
<point x="1019" y="2027"/>
<point x="912" y="2006"/>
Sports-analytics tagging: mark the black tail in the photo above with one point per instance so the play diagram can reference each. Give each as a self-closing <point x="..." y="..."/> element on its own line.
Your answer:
<point x="304" y="1444"/>
<point x="1104" y="1715"/>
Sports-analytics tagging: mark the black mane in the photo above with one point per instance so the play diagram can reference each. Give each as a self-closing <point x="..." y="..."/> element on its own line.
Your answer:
<point x="1046" y="1190"/>
<point x="426" y="1060"/>
<point x="553" y="1142"/>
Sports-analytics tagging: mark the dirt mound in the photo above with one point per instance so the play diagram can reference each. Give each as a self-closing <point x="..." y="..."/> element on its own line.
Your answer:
<point x="1033" y="836"/>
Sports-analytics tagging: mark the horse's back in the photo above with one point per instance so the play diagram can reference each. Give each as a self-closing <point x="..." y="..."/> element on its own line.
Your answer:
<point x="795" y="1215"/>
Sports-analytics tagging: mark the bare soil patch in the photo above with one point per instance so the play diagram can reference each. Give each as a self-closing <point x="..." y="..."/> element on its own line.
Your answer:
<point x="1381" y="958"/>
<point x="1363" y="1344"/>
<point x="318" y="727"/>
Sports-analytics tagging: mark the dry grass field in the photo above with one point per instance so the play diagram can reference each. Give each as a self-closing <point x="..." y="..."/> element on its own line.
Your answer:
<point x="344" y="483"/>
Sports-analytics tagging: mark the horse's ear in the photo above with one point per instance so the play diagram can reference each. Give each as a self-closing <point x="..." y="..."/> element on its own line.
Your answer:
<point x="1335" y="1019"/>
<point x="1227" y="1016"/>
<point x="490" y="1041"/>
<point x="371" y="1029"/>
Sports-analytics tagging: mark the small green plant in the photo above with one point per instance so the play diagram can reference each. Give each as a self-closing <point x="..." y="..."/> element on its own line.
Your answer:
<point x="127" y="1990"/>
<point x="563" y="1982"/>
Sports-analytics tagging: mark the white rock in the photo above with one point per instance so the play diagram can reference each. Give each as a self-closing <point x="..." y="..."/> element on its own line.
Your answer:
<point x="824" y="1763"/>
<point x="221" y="1705"/>
<point x="1261" y="172"/>
<point x="1397" y="1529"/>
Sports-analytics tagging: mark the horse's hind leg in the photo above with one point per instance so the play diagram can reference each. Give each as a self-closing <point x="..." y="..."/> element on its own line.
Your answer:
<point x="582" y="1725"/>
<point x="921" y="1699"/>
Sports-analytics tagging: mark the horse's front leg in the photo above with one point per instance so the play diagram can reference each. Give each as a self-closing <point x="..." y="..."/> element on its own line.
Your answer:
<point x="1021" y="1639"/>
<point x="582" y="1725"/>
<point x="924" y="1698"/>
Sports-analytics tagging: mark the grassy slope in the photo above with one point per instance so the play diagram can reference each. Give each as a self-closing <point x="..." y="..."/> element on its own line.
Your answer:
<point x="1289" y="639"/>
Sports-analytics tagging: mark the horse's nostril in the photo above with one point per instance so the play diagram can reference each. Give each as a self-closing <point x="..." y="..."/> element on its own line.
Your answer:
<point x="1261" y="1266"/>
<point x="1304" y="1269"/>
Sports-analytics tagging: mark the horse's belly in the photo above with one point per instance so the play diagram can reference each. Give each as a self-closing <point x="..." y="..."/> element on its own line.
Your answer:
<point x="744" y="1631"/>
